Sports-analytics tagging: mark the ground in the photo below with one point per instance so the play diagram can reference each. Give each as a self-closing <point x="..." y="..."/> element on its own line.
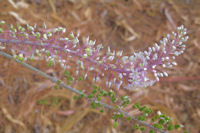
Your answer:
<point x="131" y="25"/>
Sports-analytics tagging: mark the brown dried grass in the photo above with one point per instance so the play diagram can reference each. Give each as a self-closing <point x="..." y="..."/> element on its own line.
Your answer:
<point x="131" y="25"/>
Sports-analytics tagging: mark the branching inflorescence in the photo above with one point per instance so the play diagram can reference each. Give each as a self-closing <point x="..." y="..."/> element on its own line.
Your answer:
<point x="120" y="71"/>
<point x="89" y="59"/>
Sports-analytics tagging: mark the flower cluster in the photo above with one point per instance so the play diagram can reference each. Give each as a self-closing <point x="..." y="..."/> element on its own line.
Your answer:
<point x="117" y="69"/>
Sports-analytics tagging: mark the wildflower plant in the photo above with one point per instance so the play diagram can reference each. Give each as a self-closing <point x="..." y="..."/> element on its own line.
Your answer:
<point x="115" y="68"/>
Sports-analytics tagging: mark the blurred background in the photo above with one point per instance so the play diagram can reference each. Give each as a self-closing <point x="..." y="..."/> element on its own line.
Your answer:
<point x="28" y="104"/>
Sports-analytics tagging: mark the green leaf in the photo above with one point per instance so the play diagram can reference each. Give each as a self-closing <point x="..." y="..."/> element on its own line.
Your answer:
<point x="98" y="104"/>
<point x="75" y="97"/>
<point x="69" y="79"/>
<point x="66" y="73"/>
<point x="151" y="131"/>
<point x="50" y="64"/>
<point x="158" y="126"/>
<point x="129" y="118"/>
<point x="114" y="99"/>
<point x="148" y="110"/>
<point x="55" y="87"/>
<point x="142" y="128"/>
<point x="93" y="105"/>
<point x="98" y="98"/>
<point x="95" y="86"/>
<point x="136" y="106"/>
<point x="80" y="78"/>
<point x="111" y="93"/>
<point x="102" y="111"/>
<point x="82" y="95"/>
<point x="121" y="115"/>
<point x="115" y="117"/>
<point x="116" y="107"/>
<point x="136" y="126"/>
<point x="177" y="126"/>
<point x="90" y="96"/>
<point x="142" y="108"/>
<point x="170" y="127"/>
<point x="94" y="91"/>
<point x="58" y="82"/>
<point x="141" y="118"/>
<point x="115" y="124"/>
<point x="161" y="121"/>
<point x="47" y="53"/>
